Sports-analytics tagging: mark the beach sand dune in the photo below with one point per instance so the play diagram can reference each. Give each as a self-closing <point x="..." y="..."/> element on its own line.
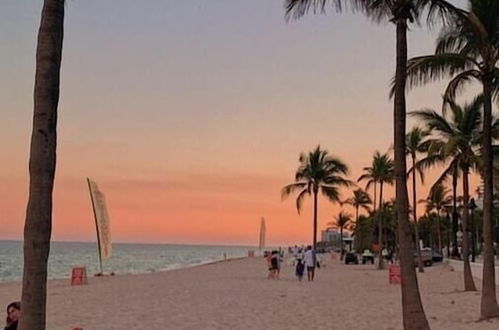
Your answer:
<point x="237" y="295"/>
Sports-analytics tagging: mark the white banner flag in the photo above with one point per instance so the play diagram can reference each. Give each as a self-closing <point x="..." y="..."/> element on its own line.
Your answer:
<point x="101" y="220"/>
<point x="263" y="229"/>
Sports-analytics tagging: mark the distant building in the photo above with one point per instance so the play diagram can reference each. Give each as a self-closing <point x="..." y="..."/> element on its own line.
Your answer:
<point x="333" y="235"/>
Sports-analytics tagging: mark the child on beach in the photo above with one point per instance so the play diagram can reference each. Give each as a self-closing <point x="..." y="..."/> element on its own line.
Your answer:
<point x="300" y="267"/>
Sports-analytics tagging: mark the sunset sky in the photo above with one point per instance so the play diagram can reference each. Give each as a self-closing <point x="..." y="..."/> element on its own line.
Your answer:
<point x="191" y="115"/>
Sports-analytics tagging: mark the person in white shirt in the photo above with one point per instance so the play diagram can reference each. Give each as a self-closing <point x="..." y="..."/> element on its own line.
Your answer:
<point x="310" y="261"/>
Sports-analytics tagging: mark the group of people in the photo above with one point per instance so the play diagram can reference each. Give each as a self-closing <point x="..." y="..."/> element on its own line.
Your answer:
<point x="308" y="260"/>
<point x="304" y="258"/>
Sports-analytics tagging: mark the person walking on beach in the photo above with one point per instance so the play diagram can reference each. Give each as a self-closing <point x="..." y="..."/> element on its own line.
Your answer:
<point x="275" y="261"/>
<point x="300" y="267"/>
<point x="310" y="262"/>
<point x="273" y="264"/>
<point x="269" y="264"/>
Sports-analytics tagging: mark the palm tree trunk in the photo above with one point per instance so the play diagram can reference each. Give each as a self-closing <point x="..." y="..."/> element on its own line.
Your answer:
<point x="38" y="225"/>
<point x="380" y="227"/>
<point x="315" y="219"/>
<point x="488" y="306"/>
<point x="374" y="200"/>
<point x="356" y="215"/>
<point x="439" y="232"/>
<point x="341" y="242"/>
<point x="455" y="251"/>
<point x="447" y="234"/>
<point x="412" y="308"/>
<point x="357" y="233"/>
<point x="469" y="284"/>
<point x="414" y="212"/>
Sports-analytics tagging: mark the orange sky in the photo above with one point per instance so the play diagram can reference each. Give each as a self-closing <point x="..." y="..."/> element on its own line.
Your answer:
<point x="191" y="117"/>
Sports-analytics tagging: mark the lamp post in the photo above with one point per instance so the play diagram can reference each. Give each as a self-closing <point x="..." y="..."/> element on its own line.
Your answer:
<point x="472" y="206"/>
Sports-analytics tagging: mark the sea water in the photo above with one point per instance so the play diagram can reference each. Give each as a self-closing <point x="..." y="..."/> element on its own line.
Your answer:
<point x="126" y="258"/>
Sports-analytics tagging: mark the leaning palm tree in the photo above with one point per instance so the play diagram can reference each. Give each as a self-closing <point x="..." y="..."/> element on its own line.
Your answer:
<point x="456" y="140"/>
<point x="382" y="172"/>
<point x="400" y="13"/>
<point x="416" y="144"/>
<point x="360" y="199"/>
<point x="342" y="221"/>
<point x="468" y="51"/>
<point x="438" y="200"/>
<point x="318" y="172"/>
<point x="38" y="225"/>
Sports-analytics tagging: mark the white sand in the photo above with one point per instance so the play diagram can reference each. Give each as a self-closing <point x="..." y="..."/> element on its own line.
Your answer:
<point x="237" y="295"/>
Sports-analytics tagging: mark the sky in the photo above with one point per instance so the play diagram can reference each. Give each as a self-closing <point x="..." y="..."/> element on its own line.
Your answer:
<point x="190" y="115"/>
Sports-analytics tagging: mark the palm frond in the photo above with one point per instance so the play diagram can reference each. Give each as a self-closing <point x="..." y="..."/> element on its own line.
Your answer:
<point x="295" y="9"/>
<point x="291" y="188"/>
<point x="458" y="83"/>
<point x="424" y="69"/>
<point x="445" y="175"/>
<point x="299" y="199"/>
<point x="331" y="193"/>
<point x="440" y="10"/>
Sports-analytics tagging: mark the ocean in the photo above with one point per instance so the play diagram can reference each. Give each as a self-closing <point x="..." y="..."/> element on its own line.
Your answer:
<point x="126" y="258"/>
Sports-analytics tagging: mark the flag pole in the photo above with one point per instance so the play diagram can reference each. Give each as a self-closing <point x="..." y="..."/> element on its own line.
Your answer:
<point x="96" y="225"/>
<point x="261" y="244"/>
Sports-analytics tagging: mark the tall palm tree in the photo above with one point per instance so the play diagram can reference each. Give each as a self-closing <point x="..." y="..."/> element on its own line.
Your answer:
<point x="400" y="13"/>
<point x="318" y="172"/>
<point x="342" y="220"/>
<point x="467" y="51"/>
<point x="416" y="144"/>
<point x="438" y="199"/>
<point x="38" y="225"/>
<point x="456" y="142"/>
<point x="360" y="199"/>
<point x="382" y="172"/>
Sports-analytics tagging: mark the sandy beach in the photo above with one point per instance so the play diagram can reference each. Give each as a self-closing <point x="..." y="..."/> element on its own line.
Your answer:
<point x="237" y="295"/>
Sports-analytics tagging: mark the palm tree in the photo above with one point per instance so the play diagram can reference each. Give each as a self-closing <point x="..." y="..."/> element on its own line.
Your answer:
<point x="360" y="199"/>
<point x="381" y="172"/>
<point x="468" y="51"/>
<point x="37" y="228"/>
<point x="456" y="142"/>
<point x="416" y="144"/>
<point x="318" y="171"/>
<point x="389" y="217"/>
<point x="401" y="13"/>
<point x="342" y="220"/>
<point x="438" y="199"/>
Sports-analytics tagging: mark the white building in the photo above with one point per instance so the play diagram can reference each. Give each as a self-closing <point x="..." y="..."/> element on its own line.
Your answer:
<point x="333" y="235"/>
<point x="330" y="235"/>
